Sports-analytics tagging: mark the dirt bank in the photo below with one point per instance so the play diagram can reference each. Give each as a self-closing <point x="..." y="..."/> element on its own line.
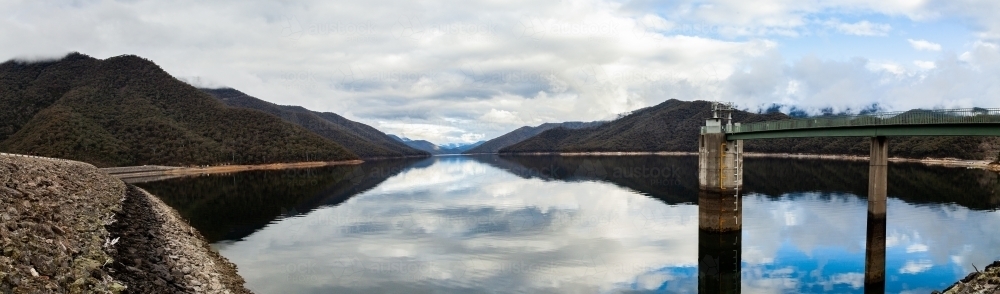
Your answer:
<point x="987" y="281"/>
<point x="66" y="227"/>
<point x="136" y="169"/>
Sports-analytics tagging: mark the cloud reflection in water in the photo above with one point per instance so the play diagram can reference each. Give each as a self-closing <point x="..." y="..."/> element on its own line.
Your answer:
<point x="460" y="225"/>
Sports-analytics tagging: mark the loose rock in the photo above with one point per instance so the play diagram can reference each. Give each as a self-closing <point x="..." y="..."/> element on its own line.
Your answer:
<point x="162" y="256"/>
<point x="987" y="281"/>
<point x="34" y="198"/>
<point x="58" y="223"/>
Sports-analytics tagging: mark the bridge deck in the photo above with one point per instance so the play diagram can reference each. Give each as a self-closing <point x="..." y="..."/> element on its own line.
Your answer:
<point x="952" y="122"/>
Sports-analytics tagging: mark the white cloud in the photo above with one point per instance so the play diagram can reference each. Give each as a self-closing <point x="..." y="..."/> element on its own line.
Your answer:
<point x="924" y="45"/>
<point x="861" y="28"/>
<point x="952" y="81"/>
<point x="916" y="248"/>
<point x="916" y="267"/>
<point x="887" y="66"/>
<point x="855" y="280"/>
<point x="982" y="53"/>
<point x="924" y="65"/>
<point x="434" y="133"/>
<point x="981" y="13"/>
<point x="501" y="116"/>
<point x="472" y="137"/>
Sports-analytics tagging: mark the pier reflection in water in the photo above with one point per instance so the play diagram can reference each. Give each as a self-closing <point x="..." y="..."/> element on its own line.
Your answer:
<point x="720" y="219"/>
<point x="719" y="261"/>
<point x="720" y="248"/>
<point x="588" y="224"/>
<point x="875" y="254"/>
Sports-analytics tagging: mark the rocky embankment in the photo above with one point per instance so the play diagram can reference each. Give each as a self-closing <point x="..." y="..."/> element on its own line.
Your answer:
<point x="66" y="227"/>
<point x="987" y="281"/>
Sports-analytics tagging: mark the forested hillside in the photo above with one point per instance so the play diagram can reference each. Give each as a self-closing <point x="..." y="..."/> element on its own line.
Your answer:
<point x="126" y="110"/>
<point x="365" y="141"/>
<point x="494" y="145"/>
<point x="674" y="126"/>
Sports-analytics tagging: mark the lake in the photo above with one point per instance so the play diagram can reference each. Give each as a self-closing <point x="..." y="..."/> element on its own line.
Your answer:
<point x="542" y="224"/>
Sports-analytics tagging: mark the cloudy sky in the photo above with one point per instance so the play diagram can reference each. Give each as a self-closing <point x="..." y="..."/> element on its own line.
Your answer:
<point x="462" y="71"/>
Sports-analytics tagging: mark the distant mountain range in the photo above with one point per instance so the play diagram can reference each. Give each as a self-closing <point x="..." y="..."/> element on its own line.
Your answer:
<point x="674" y="125"/>
<point x="365" y="141"/>
<point x="424" y="145"/>
<point x="523" y="133"/>
<point x="126" y="110"/>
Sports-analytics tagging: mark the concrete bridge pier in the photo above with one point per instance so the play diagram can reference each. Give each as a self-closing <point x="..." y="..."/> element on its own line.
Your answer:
<point x="875" y="239"/>
<point x="720" y="214"/>
<point x="720" y="207"/>
<point x="720" y="177"/>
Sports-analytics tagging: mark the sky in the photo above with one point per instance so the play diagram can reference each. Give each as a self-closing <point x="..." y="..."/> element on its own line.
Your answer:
<point x="463" y="71"/>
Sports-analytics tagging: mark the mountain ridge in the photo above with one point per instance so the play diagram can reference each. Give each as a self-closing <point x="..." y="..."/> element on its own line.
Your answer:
<point x="523" y="133"/>
<point x="365" y="141"/>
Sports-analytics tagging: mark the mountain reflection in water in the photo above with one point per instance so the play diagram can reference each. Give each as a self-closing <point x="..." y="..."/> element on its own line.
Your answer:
<point x="538" y="224"/>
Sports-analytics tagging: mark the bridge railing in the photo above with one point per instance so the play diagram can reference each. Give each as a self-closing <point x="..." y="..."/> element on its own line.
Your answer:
<point x="913" y="117"/>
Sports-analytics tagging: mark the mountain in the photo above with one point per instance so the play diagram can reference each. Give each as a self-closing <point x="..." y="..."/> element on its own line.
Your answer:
<point x="451" y="148"/>
<point x="674" y="125"/>
<point x="397" y="138"/>
<point x="522" y="133"/>
<point x="423" y="145"/>
<point x="126" y="110"/>
<point x="365" y="141"/>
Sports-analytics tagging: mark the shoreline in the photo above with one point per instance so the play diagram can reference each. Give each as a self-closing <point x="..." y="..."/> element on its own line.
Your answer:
<point x="246" y="167"/>
<point x="945" y="162"/>
<point x="166" y="172"/>
<point x="143" y="173"/>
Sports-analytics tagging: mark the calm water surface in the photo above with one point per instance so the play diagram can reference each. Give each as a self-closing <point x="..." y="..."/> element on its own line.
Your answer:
<point x="583" y="225"/>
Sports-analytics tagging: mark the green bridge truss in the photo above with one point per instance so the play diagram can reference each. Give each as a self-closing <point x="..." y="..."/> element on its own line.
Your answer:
<point x="950" y="122"/>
